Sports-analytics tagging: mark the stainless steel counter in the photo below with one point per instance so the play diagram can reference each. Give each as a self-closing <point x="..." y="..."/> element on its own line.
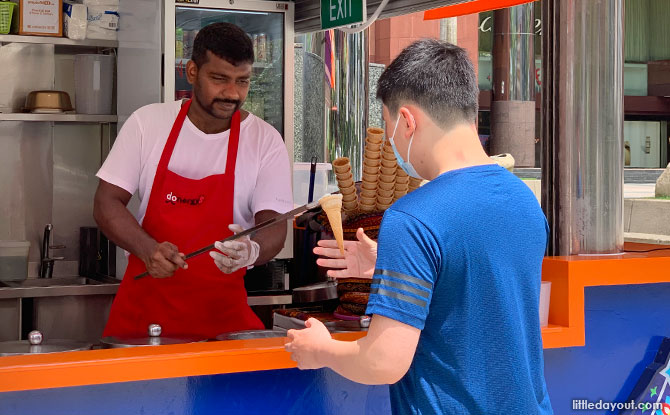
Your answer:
<point x="57" y="287"/>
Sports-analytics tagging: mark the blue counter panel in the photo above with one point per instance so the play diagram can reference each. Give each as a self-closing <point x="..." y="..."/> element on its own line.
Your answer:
<point x="625" y="325"/>
<point x="624" y="328"/>
<point x="288" y="391"/>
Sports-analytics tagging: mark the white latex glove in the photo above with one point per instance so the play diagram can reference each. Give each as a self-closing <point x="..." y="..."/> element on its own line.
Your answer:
<point x="236" y="254"/>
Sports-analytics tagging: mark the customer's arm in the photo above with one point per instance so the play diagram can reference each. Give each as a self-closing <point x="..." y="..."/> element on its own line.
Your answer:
<point x="383" y="356"/>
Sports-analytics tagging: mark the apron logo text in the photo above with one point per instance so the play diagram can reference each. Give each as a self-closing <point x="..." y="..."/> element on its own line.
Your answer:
<point x="170" y="198"/>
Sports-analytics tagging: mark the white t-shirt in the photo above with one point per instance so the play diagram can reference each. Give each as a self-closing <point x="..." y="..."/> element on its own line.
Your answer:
<point x="262" y="171"/>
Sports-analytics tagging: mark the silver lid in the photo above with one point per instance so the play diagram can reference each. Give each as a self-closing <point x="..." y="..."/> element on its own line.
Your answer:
<point x="154" y="339"/>
<point x="155" y="330"/>
<point x="19" y="347"/>
<point x="321" y="291"/>
<point x="35" y="337"/>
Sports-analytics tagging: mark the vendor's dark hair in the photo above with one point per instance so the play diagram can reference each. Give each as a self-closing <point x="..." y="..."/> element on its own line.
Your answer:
<point x="435" y="75"/>
<point x="226" y="41"/>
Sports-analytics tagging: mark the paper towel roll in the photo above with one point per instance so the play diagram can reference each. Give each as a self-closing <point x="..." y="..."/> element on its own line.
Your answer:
<point x="75" y="20"/>
<point x="103" y="22"/>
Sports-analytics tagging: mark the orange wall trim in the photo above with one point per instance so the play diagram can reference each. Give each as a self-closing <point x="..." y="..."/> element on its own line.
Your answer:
<point x="568" y="275"/>
<point x="469" y="7"/>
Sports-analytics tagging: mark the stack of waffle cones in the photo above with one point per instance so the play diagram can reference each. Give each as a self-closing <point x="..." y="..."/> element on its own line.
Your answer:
<point x="401" y="184"/>
<point x="413" y="184"/>
<point x="387" y="176"/>
<point x="371" y="163"/>
<point x="345" y="182"/>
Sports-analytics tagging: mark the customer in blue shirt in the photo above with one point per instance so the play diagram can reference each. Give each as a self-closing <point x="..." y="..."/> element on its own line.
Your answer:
<point x="455" y="292"/>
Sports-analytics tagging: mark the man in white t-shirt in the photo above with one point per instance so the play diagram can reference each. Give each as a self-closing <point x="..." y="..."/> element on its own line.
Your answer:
<point x="203" y="169"/>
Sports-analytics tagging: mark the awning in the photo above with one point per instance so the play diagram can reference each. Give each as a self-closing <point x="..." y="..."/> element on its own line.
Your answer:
<point x="473" y="6"/>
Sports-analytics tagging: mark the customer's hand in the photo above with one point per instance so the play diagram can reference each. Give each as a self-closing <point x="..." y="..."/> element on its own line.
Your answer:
<point x="358" y="260"/>
<point x="307" y="346"/>
<point x="164" y="260"/>
<point x="235" y="254"/>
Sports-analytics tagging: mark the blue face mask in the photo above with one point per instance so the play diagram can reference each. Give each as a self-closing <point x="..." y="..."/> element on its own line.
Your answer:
<point x="405" y="165"/>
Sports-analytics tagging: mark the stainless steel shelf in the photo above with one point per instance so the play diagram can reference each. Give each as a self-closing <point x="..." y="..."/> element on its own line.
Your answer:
<point x="49" y="40"/>
<point x="82" y="118"/>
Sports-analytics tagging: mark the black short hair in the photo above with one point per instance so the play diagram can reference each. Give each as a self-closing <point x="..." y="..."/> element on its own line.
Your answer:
<point x="226" y="41"/>
<point x="435" y="75"/>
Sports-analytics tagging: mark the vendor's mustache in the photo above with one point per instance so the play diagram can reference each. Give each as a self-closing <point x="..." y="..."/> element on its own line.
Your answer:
<point x="227" y="101"/>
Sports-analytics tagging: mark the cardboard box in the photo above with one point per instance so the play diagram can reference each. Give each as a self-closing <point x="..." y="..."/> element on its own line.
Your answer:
<point x="41" y="17"/>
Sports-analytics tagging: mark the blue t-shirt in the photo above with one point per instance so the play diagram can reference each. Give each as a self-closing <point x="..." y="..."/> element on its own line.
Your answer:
<point x="460" y="259"/>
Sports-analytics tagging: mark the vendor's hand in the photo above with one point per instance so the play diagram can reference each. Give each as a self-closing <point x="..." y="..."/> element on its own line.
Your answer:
<point x="236" y="254"/>
<point x="307" y="346"/>
<point x="164" y="260"/>
<point x="358" y="260"/>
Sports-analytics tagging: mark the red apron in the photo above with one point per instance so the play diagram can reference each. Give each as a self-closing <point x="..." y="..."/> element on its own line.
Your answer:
<point x="201" y="300"/>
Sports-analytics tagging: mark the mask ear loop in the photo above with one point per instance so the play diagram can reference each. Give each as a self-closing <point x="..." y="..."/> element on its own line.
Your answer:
<point x="392" y="139"/>
<point x="409" y="147"/>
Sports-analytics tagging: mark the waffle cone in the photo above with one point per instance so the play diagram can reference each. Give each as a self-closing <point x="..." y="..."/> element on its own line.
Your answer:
<point x="370" y="194"/>
<point x="341" y="165"/>
<point x="349" y="198"/>
<point x="348" y="190"/>
<point x="375" y="133"/>
<point x="387" y="178"/>
<point x="389" y="171"/>
<point x="401" y="179"/>
<point x="371" y="178"/>
<point x="401" y="187"/>
<point x="397" y="194"/>
<point x="414" y="182"/>
<point x="332" y="205"/>
<point x="368" y="185"/>
<point x="372" y="162"/>
<point x="386" y="186"/>
<point x="371" y="170"/>
<point x="382" y="206"/>
<point x="344" y="175"/>
<point x="385" y="193"/>
<point x="343" y="184"/>
<point x="372" y="154"/>
<point x="366" y="208"/>
<point x="349" y="206"/>
<point x="388" y="154"/>
<point x="392" y="164"/>
<point x="368" y="200"/>
<point x="372" y="145"/>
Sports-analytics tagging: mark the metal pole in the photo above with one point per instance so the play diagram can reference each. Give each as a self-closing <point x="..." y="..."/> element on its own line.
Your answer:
<point x="582" y="125"/>
<point x="513" y="105"/>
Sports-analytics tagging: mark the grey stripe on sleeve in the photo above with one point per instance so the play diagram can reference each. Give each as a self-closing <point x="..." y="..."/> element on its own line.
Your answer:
<point x="405" y="277"/>
<point x="401" y="286"/>
<point x="402" y="297"/>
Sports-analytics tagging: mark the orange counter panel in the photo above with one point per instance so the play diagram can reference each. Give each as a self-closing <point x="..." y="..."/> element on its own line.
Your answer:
<point x="569" y="276"/>
<point x="93" y="367"/>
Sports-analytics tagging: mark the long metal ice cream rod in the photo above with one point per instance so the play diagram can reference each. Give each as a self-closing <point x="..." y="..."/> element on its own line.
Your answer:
<point x="262" y="225"/>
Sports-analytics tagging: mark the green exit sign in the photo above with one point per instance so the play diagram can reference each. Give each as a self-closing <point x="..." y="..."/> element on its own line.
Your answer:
<point x="335" y="13"/>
